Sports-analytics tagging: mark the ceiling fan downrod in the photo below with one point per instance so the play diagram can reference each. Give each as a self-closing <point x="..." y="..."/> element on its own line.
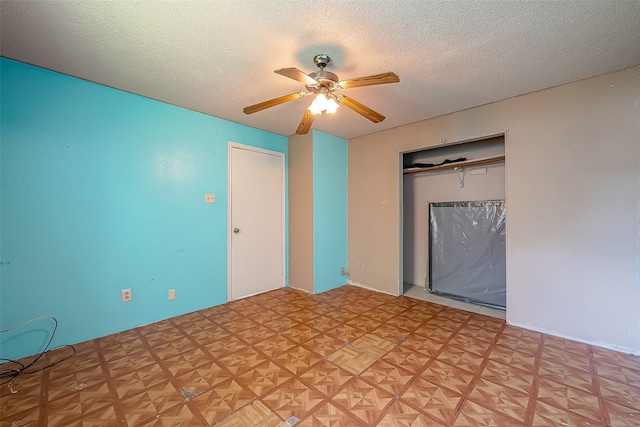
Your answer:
<point x="321" y="61"/>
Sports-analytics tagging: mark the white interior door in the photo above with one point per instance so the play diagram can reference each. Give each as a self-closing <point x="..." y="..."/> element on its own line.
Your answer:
<point x="256" y="220"/>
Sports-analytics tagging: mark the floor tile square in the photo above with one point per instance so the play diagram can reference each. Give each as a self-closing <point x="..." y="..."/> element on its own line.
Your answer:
<point x="221" y="400"/>
<point x="436" y="333"/>
<point x="364" y="323"/>
<point x="71" y="383"/>
<point x="243" y="360"/>
<point x="373" y="345"/>
<point x="508" y="356"/>
<point x="26" y="399"/>
<point x="405" y="323"/>
<point x="390" y="333"/>
<point x="552" y="355"/>
<point x="546" y="415"/>
<point x="186" y="362"/>
<point x="518" y="344"/>
<point x="137" y="381"/>
<point x="274" y="345"/>
<point x="211" y="335"/>
<point x="412" y="361"/>
<point x="479" y="333"/>
<point x="497" y="398"/>
<point x="326" y="377"/>
<point x="352" y="359"/>
<point x="324" y="344"/>
<point x="293" y="399"/>
<point x="616" y="358"/>
<point x="572" y="377"/>
<point x="462" y="359"/>
<point x="322" y="323"/>
<point x="448" y="376"/>
<point x="300" y="333"/>
<point x="345" y="332"/>
<point x="222" y="348"/>
<point x="508" y="376"/>
<point x="155" y="400"/>
<point x="297" y="359"/>
<point x="387" y="376"/>
<point x="363" y="400"/>
<point x="88" y="399"/>
<point x="618" y="373"/>
<point x="620" y="393"/>
<point x="256" y="334"/>
<point x="207" y="375"/>
<point x="620" y="415"/>
<point x="264" y="377"/>
<point x="422" y="345"/>
<point x="439" y="402"/>
<point x="575" y="400"/>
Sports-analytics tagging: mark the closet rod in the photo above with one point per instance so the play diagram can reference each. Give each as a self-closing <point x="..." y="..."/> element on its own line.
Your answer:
<point x="465" y="164"/>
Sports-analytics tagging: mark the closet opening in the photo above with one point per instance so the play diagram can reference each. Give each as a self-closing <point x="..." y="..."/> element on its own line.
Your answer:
<point x="454" y="224"/>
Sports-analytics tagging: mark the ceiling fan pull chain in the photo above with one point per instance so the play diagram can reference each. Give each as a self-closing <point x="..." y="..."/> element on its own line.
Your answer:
<point x="460" y="175"/>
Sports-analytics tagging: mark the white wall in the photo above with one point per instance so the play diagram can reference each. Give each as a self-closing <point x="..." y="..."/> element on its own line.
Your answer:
<point x="573" y="197"/>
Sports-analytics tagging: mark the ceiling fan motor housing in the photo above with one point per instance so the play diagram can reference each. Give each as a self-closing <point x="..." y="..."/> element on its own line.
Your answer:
<point x="326" y="79"/>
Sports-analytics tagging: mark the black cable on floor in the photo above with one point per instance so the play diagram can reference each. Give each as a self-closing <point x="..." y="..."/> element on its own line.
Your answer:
<point x="7" y="375"/>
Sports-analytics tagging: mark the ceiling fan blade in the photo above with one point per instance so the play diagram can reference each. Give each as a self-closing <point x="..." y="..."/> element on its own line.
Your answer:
<point x="305" y="123"/>
<point x="273" y="102"/>
<point x="359" y="108"/>
<point x="295" y="74"/>
<point x="378" y="79"/>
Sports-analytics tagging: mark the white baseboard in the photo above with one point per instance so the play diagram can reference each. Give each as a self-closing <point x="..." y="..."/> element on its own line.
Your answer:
<point x="608" y="346"/>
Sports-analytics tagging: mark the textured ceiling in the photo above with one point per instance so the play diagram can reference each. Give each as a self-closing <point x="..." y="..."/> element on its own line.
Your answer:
<point x="217" y="57"/>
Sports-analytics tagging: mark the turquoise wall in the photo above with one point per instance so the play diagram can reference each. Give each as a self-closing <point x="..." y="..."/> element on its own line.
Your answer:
<point x="329" y="210"/>
<point x="103" y="190"/>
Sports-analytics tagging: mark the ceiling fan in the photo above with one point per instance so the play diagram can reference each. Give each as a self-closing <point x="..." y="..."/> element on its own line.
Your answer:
<point x="324" y="85"/>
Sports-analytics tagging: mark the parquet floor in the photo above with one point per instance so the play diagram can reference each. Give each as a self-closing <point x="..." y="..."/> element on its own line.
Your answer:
<point x="347" y="357"/>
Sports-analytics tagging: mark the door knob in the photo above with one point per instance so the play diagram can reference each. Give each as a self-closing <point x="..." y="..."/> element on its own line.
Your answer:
<point x="236" y="230"/>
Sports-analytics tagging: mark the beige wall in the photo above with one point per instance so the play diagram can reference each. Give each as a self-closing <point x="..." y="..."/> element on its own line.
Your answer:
<point x="573" y="201"/>
<point x="301" y="212"/>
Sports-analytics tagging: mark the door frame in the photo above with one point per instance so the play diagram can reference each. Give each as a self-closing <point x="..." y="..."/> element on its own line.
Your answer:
<point x="237" y="146"/>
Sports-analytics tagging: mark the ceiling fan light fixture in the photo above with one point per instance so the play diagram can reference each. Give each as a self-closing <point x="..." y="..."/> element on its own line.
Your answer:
<point x="332" y="106"/>
<point x="323" y="84"/>
<point x="322" y="104"/>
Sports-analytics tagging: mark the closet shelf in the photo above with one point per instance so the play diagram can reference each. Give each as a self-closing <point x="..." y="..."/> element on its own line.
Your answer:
<point x="449" y="166"/>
